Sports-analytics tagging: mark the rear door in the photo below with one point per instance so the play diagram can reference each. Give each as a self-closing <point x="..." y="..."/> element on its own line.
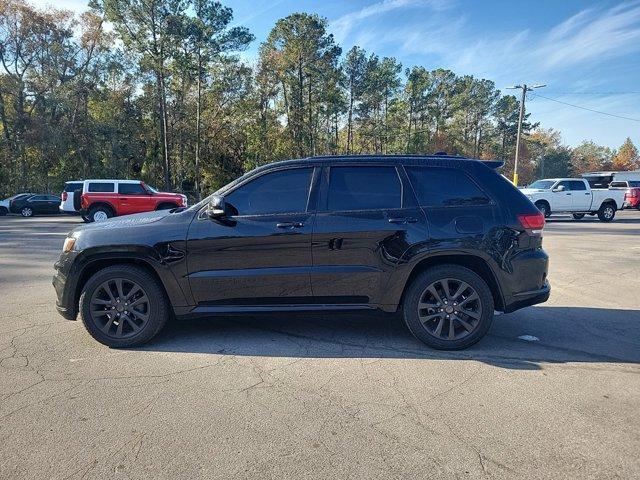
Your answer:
<point x="70" y="189"/>
<point x="367" y="218"/>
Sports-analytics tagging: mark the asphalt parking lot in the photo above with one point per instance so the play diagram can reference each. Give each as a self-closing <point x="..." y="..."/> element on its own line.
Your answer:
<point x="335" y="396"/>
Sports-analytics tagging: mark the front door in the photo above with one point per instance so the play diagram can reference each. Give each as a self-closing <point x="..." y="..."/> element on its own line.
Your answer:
<point x="132" y="198"/>
<point x="260" y="254"/>
<point x="562" y="200"/>
<point x="365" y="222"/>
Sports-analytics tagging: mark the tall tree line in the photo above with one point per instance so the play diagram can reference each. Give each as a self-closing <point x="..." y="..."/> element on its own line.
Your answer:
<point x="156" y="90"/>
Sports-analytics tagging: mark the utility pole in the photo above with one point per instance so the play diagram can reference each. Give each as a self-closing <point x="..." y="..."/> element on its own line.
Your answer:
<point x="525" y="88"/>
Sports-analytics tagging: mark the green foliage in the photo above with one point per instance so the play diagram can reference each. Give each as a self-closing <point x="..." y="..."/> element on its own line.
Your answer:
<point x="163" y="96"/>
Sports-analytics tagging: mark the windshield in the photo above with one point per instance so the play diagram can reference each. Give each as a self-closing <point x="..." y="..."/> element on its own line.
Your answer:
<point x="542" y="184"/>
<point x="150" y="188"/>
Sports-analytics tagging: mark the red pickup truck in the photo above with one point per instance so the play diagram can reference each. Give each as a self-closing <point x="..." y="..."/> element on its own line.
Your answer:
<point x="103" y="199"/>
<point x="631" y="194"/>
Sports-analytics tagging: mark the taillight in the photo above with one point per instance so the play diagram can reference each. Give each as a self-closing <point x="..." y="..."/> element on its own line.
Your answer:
<point x="64" y="196"/>
<point x="631" y="192"/>
<point x="532" y="221"/>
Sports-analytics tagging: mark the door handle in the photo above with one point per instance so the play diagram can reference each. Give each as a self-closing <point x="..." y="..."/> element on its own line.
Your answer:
<point x="403" y="220"/>
<point x="290" y="225"/>
<point x="587" y="193"/>
<point x="568" y="194"/>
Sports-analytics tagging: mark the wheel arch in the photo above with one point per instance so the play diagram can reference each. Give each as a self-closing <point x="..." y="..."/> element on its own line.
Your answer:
<point x="169" y="204"/>
<point x="102" y="203"/>
<point x="167" y="281"/>
<point x="610" y="200"/>
<point x="474" y="263"/>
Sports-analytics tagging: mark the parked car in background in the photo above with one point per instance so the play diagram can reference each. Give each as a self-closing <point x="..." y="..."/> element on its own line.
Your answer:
<point x="70" y="197"/>
<point x="445" y="240"/>
<point x="37" y="204"/>
<point x="604" y="179"/>
<point x="103" y="199"/>
<point x="631" y="192"/>
<point x="5" y="205"/>
<point x="574" y="195"/>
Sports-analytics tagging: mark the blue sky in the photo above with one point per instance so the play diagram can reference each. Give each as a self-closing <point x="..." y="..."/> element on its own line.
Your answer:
<point x="588" y="52"/>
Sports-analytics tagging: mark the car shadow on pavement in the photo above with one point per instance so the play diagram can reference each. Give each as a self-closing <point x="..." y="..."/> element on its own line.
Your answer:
<point x="555" y="335"/>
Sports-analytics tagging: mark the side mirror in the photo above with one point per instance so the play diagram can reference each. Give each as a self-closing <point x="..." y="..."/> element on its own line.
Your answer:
<point x="559" y="188"/>
<point x="216" y="208"/>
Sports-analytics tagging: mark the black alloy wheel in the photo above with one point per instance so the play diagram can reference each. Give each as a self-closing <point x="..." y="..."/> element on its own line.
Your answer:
<point x="448" y="307"/>
<point x="123" y="306"/>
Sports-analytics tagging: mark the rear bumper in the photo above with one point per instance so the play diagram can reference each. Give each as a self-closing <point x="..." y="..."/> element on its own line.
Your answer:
<point x="526" y="299"/>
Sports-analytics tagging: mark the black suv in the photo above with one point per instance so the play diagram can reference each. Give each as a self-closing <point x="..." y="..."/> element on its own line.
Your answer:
<point x="445" y="239"/>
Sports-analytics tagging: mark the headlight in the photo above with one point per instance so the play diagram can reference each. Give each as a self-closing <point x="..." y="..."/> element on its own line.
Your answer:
<point x="69" y="243"/>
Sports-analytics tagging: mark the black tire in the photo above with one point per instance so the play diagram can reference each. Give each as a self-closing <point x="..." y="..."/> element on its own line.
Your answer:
<point x="26" y="212"/>
<point x="156" y="311"/>
<point x="607" y="212"/>
<point x="578" y="216"/>
<point x="98" y="213"/>
<point x="427" y="330"/>
<point x="544" y="208"/>
<point x="3" y="211"/>
<point x="166" y="206"/>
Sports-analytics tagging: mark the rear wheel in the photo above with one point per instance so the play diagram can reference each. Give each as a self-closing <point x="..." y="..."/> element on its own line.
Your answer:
<point x="578" y="216"/>
<point x="26" y="212"/>
<point x="3" y="211"/>
<point x="123" y="306"/>
<point x="100" y="213"/>
<point x="607" y="212"/>
<point x="448" y="307"/>
<point x="544" y="208"/>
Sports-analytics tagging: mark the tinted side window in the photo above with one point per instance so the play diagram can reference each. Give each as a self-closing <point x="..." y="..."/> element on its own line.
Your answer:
<point x="131" y="189"/>
<point x="101" y="187"/>
<point x="445" y="187"/>
<point x="285" y="191"/>
<point x="619" y="184"/>
<point x="576" y="185"/>
<point x="53" y="198"/>
<point x="37" y="198"/>
<point x="364" y="188"/>
<point x="72" y="187"/>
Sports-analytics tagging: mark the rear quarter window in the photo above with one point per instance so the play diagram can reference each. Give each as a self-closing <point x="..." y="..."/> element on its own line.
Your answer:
<point x="72" y="187"/>
<point x="445" y="187"/>
<point x="102" y="187"/>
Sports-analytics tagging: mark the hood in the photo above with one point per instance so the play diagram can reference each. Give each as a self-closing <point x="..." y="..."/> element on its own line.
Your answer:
<point x="126" y="221"/>
<point x="529" y="191"/>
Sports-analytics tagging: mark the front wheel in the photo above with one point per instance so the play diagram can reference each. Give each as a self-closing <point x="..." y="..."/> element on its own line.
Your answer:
<point x="123" y="306"/>
<point x="544" y="209"/>
<point x="26" y="212"/>
<point x="607" y="212"/>
<point x="448" y="307"/>
<point x="578" y="216"/>
<point x="3" y="211"/>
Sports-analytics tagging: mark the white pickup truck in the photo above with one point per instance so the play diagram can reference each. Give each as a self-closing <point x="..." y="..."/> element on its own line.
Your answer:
<point x="574" y="195"/>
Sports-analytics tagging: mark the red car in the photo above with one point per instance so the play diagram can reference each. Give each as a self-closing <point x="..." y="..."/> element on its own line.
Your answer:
<point x="103" y="199"/>
<point x="631" y="194"/>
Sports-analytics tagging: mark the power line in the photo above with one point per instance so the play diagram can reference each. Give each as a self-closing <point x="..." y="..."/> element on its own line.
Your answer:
<point x="587" y="109"/>
<point x="595" y="93"/>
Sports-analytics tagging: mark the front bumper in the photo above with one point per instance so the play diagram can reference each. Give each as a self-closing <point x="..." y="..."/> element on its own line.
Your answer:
<point x="65" y="291"/>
